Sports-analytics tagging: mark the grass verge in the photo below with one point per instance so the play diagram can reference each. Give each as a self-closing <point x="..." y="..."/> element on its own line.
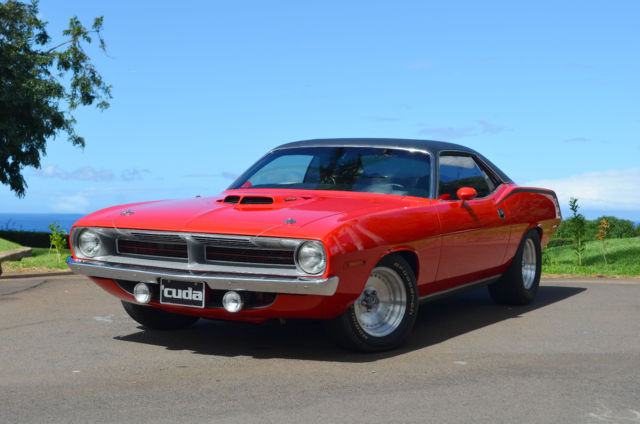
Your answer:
<point x="41" y="261"/>
<point x="8" y="245"/>
<point x="623" y="258"/>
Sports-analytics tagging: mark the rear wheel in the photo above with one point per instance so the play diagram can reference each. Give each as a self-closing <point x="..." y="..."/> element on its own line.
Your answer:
<point x="383" y="315"/>
<point x="519" y="284"/>
<point x="157" y="319"/>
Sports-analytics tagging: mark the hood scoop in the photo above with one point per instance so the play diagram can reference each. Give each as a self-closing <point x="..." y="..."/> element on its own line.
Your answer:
<point x="248" y="200"/>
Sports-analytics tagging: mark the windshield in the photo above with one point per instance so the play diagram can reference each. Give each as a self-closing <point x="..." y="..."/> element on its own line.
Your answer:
<point x="370" y="170"/>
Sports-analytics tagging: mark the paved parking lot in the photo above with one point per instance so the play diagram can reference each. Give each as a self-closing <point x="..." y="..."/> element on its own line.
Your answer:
<point x="70" y="354"/>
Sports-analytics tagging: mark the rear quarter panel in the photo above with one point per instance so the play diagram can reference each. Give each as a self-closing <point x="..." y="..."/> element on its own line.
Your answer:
<point x="530" y="207"/>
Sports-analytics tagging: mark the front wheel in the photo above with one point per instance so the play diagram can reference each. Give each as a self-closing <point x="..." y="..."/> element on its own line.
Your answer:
<point x="519" y="284"/>
<point x="157" y="319"/>
<point x="383" y="315"/>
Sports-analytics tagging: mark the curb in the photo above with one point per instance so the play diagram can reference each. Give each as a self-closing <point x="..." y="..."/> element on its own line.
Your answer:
<point x="15" y="254"/>
<point x="33" y="275"/>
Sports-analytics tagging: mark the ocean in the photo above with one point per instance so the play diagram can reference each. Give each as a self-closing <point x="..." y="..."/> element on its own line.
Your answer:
<point x="37" y="221"/>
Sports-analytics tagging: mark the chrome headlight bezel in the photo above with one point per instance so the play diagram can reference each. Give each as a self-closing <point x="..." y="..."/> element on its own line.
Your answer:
<point x="83" y="240"/>
<point x="311" y="257"/>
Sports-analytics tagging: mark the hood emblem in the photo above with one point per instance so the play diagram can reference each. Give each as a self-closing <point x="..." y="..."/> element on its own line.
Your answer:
<point x="127" y="212"/>
<point x="290" y="221"/>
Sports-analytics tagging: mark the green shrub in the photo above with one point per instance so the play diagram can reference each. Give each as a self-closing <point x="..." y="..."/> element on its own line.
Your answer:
<point x="57" y="239"/>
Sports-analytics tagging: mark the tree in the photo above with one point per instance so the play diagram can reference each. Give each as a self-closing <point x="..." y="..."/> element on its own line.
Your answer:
<point x="577" y="228"/>
<point x="40" y="86"/>
<point x="57" y="239"/>
<point x="603" y="231"/>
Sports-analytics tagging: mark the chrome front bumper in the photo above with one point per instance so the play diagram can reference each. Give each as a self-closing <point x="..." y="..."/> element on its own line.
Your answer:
<point x="216" y="281"/>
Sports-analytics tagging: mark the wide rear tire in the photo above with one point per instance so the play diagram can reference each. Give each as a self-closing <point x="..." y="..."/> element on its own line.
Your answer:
<point x="384" y="314"/>
<point x="157" y="319"/>
<point x="519" y="284"/>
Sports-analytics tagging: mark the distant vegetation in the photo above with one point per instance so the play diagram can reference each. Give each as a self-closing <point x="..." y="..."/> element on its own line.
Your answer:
<point x="606" y="245"/>
<point x="618" y="228"/>
<point x="623" y="258"/>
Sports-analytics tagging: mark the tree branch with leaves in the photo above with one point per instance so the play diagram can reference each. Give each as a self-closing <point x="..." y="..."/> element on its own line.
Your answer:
<point x="40" y="87"/>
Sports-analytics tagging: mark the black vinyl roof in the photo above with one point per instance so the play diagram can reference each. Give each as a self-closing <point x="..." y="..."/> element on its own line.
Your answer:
<point x="431" y="146"/>
<point x="401" y="143"/>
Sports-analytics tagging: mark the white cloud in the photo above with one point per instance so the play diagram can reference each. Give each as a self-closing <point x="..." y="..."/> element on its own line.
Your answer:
<point x="448" y="133"/>
<point x="224" y="174"/>
<point x="453" y="133"/>
<point x="87" y="173"/>
<point x="577" y="140"/>
<point x="229" y="175"/>
<point x="133" y="174"/>
<point x="614" y="189"/>
<point x="52" y="171"/>
<point x="76" y="203"/>
<point x="490" y="128"/>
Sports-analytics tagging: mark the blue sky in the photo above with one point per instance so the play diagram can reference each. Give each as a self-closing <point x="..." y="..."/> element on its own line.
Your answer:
<point x="549" y="91"/>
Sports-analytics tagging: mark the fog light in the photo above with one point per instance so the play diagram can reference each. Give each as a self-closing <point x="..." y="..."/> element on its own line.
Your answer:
<point x="232" y="301"/>
<point x="142" y="293"/>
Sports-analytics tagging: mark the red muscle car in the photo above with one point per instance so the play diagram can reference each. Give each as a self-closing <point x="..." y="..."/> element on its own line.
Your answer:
<point x="357" y="232"/>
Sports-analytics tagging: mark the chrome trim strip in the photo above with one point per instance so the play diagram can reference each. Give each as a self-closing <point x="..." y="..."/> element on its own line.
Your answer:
<point x="216" y="281"/>
<point x="459" y="289"/>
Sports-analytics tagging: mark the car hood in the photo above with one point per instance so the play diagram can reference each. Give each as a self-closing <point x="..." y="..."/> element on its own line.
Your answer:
<point x="278" y="213"/>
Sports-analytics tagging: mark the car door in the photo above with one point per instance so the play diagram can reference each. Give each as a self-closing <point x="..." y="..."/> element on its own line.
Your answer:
<point x="474" y="232"/>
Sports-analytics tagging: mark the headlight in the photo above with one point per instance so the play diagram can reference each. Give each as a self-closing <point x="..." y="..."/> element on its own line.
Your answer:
<point x="89" y="243"/>
<point x="311" y="257"/>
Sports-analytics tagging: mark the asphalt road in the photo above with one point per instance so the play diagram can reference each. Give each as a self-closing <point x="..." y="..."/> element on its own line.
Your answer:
<point x="68" y="353"/>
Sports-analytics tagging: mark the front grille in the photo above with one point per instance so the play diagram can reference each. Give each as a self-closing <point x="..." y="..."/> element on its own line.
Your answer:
<point x="152" y="248"/>
<point x="157" y="238"/>
<point x="219" y="241"/>
<point x="256" y="256"/>
<point x="214" y="249"/>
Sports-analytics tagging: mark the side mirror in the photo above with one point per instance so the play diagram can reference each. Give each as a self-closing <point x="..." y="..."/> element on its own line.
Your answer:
<point x="466" y="193"/>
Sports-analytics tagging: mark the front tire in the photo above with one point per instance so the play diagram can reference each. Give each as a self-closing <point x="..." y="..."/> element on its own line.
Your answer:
<point x="384" y="314"/>
<point x="519" y="284"/>
<point x="157" y="319"/>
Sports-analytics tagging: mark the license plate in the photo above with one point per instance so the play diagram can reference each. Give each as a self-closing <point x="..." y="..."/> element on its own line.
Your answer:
<point x="182" y="293"/>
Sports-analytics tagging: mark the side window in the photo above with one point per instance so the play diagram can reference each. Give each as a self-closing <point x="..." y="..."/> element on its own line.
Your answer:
<point x="458" y="171"/>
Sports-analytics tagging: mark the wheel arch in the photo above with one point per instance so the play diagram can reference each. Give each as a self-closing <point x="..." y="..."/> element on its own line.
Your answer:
<point x="538" y="228"/>
<point x="408" y="255"/>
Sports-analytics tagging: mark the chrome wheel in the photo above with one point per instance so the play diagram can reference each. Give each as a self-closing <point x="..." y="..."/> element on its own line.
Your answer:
<point x="529" y="264"/>
<point x="382" y="304"/>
